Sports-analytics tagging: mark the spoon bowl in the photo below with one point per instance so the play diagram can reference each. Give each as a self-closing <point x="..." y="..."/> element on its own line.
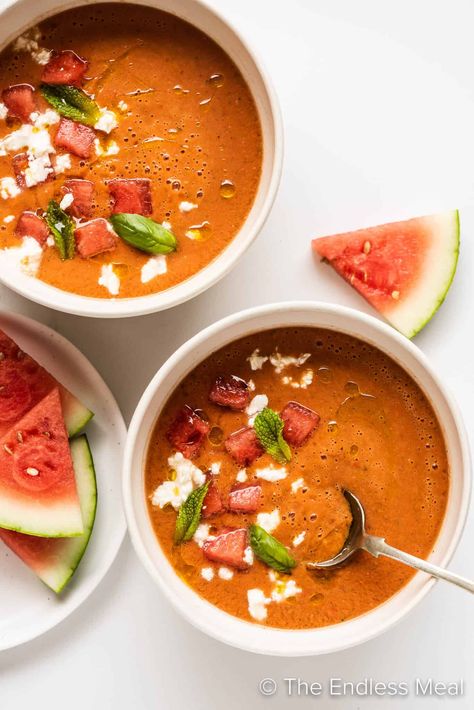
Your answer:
<point x="358" y="539"/>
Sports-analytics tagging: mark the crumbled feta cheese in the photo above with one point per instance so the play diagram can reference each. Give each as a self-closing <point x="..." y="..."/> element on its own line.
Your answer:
<point x="207" y="573"/>
<point x="248" y="555"/>
<point x="9" y="218"/>
<point x="269" y="521"/>
<point x="107" y="121"/>
<point x="188" y="476"/>
<point x="63" y="163"/>
<point x="8" y="188"/>
<point x="304" y="382"/>
<point x="256" y="361"/>
<point x="257" y="603"/>
<point x="28" y="42"/>
<point x="185" y="206"/>
<point x="109" y="279"/>
<point x="284" y="589"/>
<point x="98" y="147"/>
<point x="26" y="258"/>
<point x="111" y="148"/>
<point x="296" y="485"/>
<point x="46" y="118"/>
<point x="271" y="474"/>
<point x="167" y="225"/>
<point x="38" y="170"/>
<point x="122" y="106"/>
<point x="155" y="266"/>
<point x="225" y="573"/>
<point x="202" y="534"/>
<point x="41" y="56"/>
<point x="67" y="201"/>
<point x="3" y="110"/>
<point x="257" y="403"/>
<point x="298" y="539"/>
<point x="216" y="468"/>
<point x="241" y="476"/>
<point x="36" y="140"/>
<point x="280" y="362"/>
<point x="251" y="385"/>
<point x="50" y="241"/>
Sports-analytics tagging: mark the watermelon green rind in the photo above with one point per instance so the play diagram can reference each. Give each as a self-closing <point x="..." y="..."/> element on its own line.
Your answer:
<point x="39" y="520"/>
<point x="439" y="271"/>
<point x="59" y="575"/>
<point x="55" y="561"/>
<point x="76" y="414"/>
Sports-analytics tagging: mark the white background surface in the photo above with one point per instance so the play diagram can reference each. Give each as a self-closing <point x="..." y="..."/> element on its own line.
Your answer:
<point x="378" y="105"/>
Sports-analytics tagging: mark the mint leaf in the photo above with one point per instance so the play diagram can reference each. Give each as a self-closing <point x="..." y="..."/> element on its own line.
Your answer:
<point x="143" y="233"/>
<point x="268" y="549"/>
<point x="71" y="102"/>
<point x="268" y="427"/>
<point x="62" y="228"/>
<point x="189" y="515"/>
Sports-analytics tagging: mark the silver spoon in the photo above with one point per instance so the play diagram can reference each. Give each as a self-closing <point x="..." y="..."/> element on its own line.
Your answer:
<point x="358" y="539"/>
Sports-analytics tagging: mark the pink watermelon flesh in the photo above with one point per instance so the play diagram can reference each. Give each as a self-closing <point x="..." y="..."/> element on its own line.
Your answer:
<point x="24" y="383"/>
<point x="403" y="269"/>
<point x="38" y="493"/>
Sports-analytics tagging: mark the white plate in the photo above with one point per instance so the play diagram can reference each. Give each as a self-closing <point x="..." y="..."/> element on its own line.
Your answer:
<point x="27" y="607"/>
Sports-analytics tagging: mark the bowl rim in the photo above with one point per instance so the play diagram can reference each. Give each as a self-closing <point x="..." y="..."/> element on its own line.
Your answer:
<point x="271" y="640"/>
<point x="68" y="302"/>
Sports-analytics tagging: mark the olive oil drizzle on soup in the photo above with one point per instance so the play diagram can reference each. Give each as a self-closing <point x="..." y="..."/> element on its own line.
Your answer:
<point x="186" y="121"/>
<point x="377" y="436"/>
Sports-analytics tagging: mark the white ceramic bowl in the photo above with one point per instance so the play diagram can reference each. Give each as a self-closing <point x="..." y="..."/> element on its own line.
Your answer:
<point x="209" y="618"/>
<point x="19" y="16"/>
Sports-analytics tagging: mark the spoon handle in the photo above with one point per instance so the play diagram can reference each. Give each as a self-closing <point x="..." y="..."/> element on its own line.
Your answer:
<point x="377" y="546"/>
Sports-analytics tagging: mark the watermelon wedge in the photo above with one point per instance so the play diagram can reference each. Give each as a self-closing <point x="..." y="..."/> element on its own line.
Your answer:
<point x="24" y="383"/>
<point x="403" y="269"/>
<point x="38" y="493"/>
<point x="56" y="560"/>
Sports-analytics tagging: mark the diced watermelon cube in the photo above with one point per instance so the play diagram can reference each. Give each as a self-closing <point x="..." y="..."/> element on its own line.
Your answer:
<point x="230" y="391"/>
<point x="30" y="225"/>
<point x="83" y="193"/>
<point x="187" y="432"/>
<point x="20" y="163"/>
<point x="245" y="498"/>
<point x="95" y="237"/>
<point x="20" y="101"/>
<point x="244" y="446"/>
<point x="212" y="503"/>
<point x="227" y="548"/>
<point x="75" y="138"/>
<point x="131" y="195"/>
<point x="299" y="423"/>
<point x="65" y="67"/>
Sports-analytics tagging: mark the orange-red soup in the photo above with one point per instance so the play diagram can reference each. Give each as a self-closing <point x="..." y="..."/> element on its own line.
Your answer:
<point x="186" y="121"/>
<point x="377" y="436"/>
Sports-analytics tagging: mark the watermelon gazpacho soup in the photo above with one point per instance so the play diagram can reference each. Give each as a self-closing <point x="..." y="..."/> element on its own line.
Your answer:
<point x="130" y="151"/>
<point x="249" y="459"/>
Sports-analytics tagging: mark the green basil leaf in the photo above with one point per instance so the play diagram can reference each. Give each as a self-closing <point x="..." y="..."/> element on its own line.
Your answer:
<point x="62" y="228"/>
<point x="71" y="102"/>
<point x="189" y="514"/>
<point x="143" y="233"/>
<point x="268" y="549"/>
<point x="268" y="427"/>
